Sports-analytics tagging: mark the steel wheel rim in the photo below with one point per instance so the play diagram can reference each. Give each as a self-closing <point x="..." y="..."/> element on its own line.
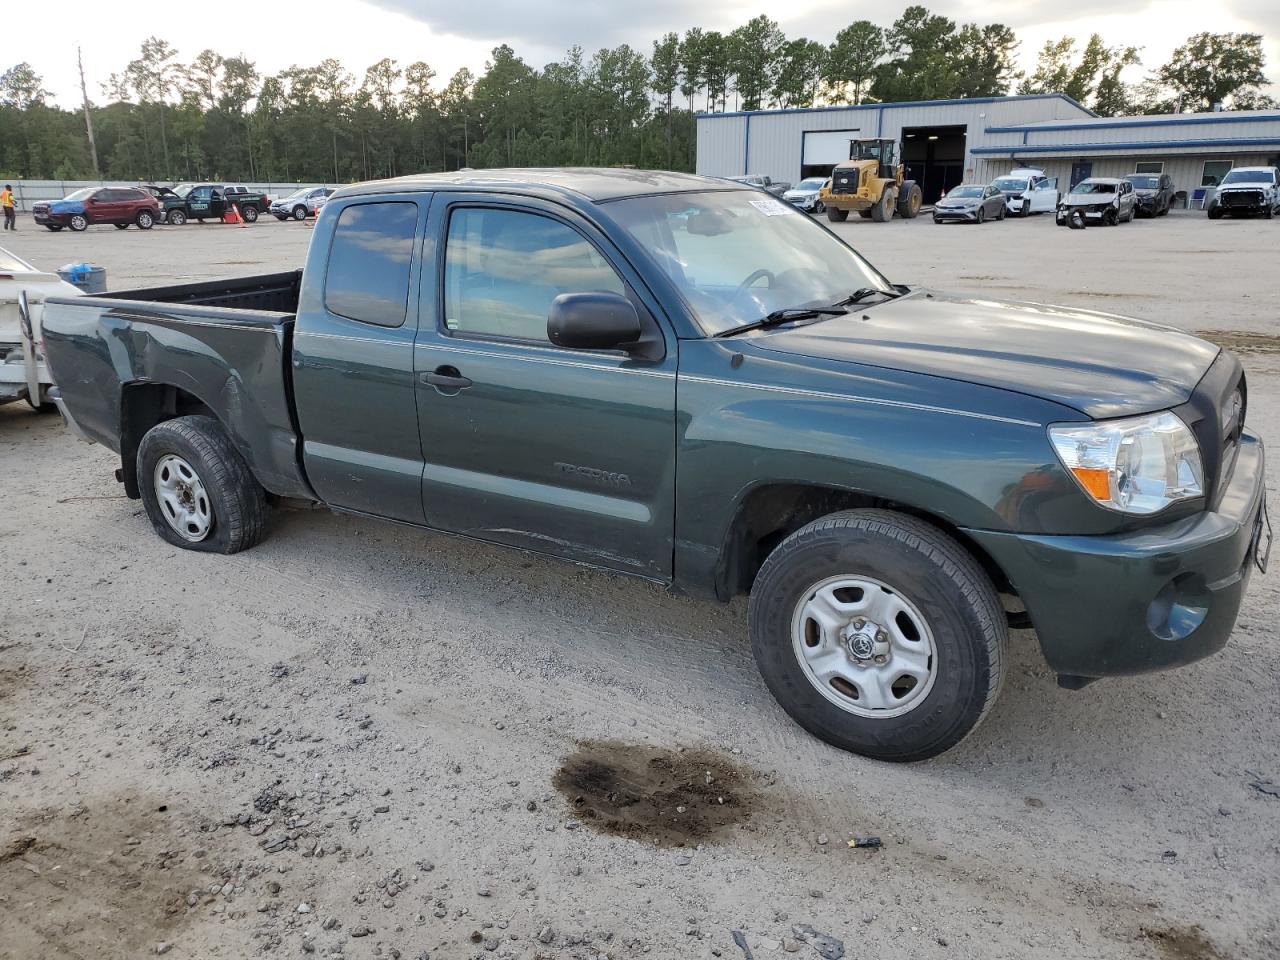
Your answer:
<point x="864" y="646"/>
<point x="78" y="222"/>
<point x="182" y="498"/>
<point x="144" y="220"/>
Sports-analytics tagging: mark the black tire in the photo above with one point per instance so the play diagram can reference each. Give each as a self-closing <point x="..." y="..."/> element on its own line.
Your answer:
<point x="882" y="210"/>
<point x="52" y="228"/>
<point x="909" y="200"/>
<point x="1000" y="215"/>
<point x="121" y="226"/>
<point x="1268" y="212"/>
<point x="250" y="214"/>
<point x="236" y="501"/>
<point x="299" y="212"/>
<point x="865" y="214"/>
<point x="145" y="220"/>
<point x="1076" y="220"/>
<point x="1215" y="212"/>
<point x="924" y="566"/>
<point x="836" y="215"/>
<point x="982" y="215"/>
<point x="176" y="218"/>
<point x="280" y="218"/>
<point x="78" y="222"/>
<point x="819" y="207"/>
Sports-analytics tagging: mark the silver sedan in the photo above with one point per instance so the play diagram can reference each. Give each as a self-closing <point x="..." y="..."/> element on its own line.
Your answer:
<point x="972" y="203"/>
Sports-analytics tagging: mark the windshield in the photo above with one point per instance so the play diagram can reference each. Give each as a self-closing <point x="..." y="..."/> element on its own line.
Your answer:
<point x="1248" y="176"/>
<point x="84" y="193"/>
<point x="1091" y="186"/>
<point x="960" y="193"/>
<point x="183" y="189"/>
<point x="1145" y="183"/>
<point x="1007" y="184"/>
<point x="737" y="256"/>
<point x="812" y="183"/>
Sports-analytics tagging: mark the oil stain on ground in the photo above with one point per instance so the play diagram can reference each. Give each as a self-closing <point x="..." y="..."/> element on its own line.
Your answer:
<point x="672" y="798"/>
<point x="1181" y="943"/>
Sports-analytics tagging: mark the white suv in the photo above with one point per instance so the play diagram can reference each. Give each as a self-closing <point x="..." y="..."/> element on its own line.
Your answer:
<point x="1245" y="191"/>
<point x="1028" y="190"/>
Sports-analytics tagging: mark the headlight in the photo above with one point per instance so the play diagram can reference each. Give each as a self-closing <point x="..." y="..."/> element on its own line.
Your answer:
<point x="1136" y="465"/>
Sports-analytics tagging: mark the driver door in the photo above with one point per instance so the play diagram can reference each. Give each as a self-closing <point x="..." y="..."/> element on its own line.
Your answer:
<point x="566" y="452"/>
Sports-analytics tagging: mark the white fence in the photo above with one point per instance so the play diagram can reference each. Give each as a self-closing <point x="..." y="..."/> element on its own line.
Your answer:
<point x="28" y="192"/>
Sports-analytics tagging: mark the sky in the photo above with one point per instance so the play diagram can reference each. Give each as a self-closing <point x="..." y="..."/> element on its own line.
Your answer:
<point x="450" y="35"/>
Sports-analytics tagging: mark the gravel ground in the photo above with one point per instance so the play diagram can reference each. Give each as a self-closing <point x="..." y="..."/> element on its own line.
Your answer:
<point x="359" y="740"/>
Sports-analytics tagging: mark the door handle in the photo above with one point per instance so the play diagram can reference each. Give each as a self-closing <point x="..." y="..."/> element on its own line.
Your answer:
<point x="446" y="378"/>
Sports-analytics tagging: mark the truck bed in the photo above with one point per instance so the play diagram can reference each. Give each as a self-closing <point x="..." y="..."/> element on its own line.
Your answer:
<point x="125" y="359"/>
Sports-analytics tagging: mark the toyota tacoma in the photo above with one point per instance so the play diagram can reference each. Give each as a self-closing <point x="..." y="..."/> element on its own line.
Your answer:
<point x="689" y="381"/>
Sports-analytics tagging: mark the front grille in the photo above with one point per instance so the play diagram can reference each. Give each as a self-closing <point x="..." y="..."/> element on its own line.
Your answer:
<point x="845" y="182"/>
<point x="1241" y="198"/>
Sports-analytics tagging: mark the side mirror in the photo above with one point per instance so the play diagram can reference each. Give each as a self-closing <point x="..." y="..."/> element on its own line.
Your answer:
<point x="593" y="321"/>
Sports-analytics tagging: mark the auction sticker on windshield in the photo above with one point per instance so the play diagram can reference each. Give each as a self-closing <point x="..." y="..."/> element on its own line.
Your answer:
<point x="772" y="208"/>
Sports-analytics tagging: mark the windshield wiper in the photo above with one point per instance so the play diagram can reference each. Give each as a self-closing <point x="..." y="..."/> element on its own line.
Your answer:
<point x="783" y="316"/>
<point x="862" y="293"/>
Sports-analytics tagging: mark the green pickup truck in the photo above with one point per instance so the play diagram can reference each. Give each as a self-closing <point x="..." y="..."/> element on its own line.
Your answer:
<point x="689" y="381"/>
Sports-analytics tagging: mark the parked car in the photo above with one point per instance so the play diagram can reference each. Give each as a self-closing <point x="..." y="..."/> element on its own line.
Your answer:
<point x="1027" y="190"/>
<point x="1105" y="199"/>
<point x="767" y="184"/>
<point x="301" y="203"/>
<point x="972" y="202"/>
<point x="121" y="206"/>
<point x="168" y="200"/>
<point x="673" y="381"/>
<point x="805" y="194"/>
<point x="24" y="375"/>
<point x="1246" y="192"/>
<point x="1152" y="193"/>
<point x="210" y="201"/>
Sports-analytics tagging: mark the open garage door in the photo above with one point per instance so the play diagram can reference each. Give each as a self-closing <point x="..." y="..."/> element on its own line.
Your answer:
<point x="823" y="149"/>
<point x="934" y="158"/>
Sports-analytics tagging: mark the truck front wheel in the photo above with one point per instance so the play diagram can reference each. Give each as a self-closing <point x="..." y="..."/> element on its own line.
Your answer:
<point x="882" y="210"/>
<point x="879" y="634"/>
<point x="837" y="216"/>
<point x="197" y="490"/>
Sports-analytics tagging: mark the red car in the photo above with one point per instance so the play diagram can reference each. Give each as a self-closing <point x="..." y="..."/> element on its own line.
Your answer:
<point x="118" y="205"/>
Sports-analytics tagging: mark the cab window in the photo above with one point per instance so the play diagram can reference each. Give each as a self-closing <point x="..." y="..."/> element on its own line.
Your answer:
<point x="367" y="278"/>
<point x="502" y="269"/>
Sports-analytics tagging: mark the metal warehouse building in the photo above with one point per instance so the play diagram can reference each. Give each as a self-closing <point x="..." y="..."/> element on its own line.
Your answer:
<point x="946" y="142"/>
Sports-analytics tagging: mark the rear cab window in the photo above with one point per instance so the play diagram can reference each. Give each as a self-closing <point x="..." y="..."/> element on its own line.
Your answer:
<point x="370" y="262"/>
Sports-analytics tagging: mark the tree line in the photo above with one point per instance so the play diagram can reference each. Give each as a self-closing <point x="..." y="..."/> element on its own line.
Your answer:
<point x="219" y="117"/>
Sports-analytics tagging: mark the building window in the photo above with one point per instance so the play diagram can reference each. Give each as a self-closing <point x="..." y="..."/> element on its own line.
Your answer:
<point x="1149" y="166"/>
<point x="1214" y="171"/>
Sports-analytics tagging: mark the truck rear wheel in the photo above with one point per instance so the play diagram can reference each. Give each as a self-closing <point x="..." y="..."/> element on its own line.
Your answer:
<point x="879" y="634"/>
<point x="197" y="490"/>
<point x="910" y="200"/>
<point x="882" y="211"/>
<point x="837" y="216"/>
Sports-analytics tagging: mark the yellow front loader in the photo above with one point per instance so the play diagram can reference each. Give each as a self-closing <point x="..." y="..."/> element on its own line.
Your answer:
<point x="871" y="183"/>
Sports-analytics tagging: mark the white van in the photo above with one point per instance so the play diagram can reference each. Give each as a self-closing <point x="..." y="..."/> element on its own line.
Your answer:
<point x="1027" y="190"/>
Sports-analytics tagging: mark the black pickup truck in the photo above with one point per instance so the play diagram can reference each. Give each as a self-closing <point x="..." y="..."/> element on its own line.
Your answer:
<point x="211" y="201"/>
<point x="690" y="381"/>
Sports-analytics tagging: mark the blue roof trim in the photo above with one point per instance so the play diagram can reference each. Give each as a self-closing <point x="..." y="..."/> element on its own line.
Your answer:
<point x="905" y="103"/>
<point x="1173" y="120"/>
<point x="1138" y="146"/>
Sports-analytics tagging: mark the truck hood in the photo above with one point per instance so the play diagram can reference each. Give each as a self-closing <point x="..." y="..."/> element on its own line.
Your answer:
<point x="1099" y="364"/>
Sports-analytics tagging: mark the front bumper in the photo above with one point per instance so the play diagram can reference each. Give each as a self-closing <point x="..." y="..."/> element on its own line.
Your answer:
<point x="1149" y="599"/>
<point x="955" y="213"/>
<point x="48" y="218"/>
<point x="803" y="203"/>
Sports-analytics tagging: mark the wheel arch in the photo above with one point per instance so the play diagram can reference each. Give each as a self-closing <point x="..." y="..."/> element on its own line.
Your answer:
<point x="770" y="512"/>
<point x="143" y="404"/>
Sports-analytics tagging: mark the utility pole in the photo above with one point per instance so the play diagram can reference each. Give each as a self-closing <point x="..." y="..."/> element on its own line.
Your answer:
<point x="88" y="119"/>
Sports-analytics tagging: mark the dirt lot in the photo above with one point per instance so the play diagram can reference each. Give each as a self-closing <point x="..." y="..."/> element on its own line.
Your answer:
<point x="364" y="741"/>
